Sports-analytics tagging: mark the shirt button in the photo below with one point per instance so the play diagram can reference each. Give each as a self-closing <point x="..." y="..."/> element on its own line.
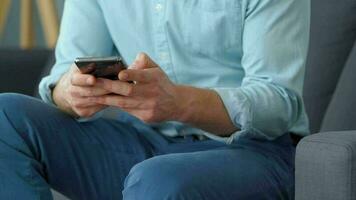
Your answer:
<point x="159" y="7"/>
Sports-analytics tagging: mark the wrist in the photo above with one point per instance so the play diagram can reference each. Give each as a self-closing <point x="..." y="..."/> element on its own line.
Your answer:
<point x="191" y="103"/>
<point x="59" y="99"/>
<point x="57" y="92"/>
<point x="56" y="97"/>
<point x="203" y="108"/>
<point x="181" y="103"/>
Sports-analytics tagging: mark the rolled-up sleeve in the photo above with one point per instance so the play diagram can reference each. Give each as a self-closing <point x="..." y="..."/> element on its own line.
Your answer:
<point x="269" y="101"/>
<point x="83" y="33"/>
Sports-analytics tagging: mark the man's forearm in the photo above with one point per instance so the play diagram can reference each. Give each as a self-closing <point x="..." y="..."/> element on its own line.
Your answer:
<point x="204" y="109"/>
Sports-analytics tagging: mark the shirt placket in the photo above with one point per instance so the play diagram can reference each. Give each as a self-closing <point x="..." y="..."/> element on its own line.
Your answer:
<point x="161" y="40"/>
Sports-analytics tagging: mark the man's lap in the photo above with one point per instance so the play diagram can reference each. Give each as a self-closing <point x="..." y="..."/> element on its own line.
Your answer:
<point x="223" y="173"/>
<point x="91" y="160"/>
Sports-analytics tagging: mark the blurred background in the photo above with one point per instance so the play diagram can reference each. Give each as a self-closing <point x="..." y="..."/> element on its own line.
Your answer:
<point x="10" y="36"/>
<point x="28" y="34"/>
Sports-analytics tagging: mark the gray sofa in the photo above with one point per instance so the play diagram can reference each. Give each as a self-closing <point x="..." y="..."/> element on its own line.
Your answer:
<point x="326" y="161"/>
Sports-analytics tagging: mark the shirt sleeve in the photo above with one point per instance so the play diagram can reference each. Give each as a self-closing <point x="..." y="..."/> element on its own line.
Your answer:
<point x="275" y="42"/>
<point x="83" y="33"/>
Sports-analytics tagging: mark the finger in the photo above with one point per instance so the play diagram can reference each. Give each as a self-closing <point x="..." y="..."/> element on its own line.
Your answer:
<point x="119" y="101"/>
<point x="82" y="102"/>
<point x="138" y="75"/>
<point x="117" y="87"/>
<point x="143" y="61"/>
<point x="89" y="111"/>
<point x="81" y="91"/>
<point x="79" y="79"/>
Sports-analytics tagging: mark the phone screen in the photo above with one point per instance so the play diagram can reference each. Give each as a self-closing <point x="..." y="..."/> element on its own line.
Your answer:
<point x="101" y="67"/>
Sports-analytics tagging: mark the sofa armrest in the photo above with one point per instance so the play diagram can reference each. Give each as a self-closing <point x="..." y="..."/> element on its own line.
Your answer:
<point x="326" y="166"/>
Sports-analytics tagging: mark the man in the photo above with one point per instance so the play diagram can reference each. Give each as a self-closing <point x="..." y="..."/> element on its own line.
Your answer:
<point x="217" y="95"/>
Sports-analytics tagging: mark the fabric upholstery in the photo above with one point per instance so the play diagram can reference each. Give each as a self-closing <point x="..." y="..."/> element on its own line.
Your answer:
<point x="20" y="70"/>
<point x="333" y="34"/>
<point x="326" y="167"/>
<point x="341" y="113"/>
<point x="51" y="59"/>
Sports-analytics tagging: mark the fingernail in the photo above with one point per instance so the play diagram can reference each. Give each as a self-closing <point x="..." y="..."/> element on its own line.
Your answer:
<point x="89" y="81"/>
<point x="140" y="56"/>
<point x="124" y="75"/>
<point x="137" y="56"/>
<point x="132" y="66"/>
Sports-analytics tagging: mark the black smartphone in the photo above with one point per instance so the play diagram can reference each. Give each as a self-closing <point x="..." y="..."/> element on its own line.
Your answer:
<point x="101" y="67"/>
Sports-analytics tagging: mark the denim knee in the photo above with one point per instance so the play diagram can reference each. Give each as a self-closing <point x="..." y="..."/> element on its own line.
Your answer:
<point x="12" y="102"/>
<point x="17" y="108"/>
<point x="157" y="178"/>
<point x="11" y="122"/>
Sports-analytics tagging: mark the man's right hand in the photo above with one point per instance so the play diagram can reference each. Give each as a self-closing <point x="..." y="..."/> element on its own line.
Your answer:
<point x="72" y="92"/>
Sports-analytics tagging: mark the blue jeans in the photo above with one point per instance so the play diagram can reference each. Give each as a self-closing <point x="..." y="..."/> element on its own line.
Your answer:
<point x="41" y="147"/>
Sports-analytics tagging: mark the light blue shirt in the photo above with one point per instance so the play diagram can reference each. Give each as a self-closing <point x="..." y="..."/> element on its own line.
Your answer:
<point x="251" y="52"/>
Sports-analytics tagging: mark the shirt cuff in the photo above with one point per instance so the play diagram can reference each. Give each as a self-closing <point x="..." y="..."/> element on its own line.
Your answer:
<point x="46" y="87"/>
<point x="239" y="108"/>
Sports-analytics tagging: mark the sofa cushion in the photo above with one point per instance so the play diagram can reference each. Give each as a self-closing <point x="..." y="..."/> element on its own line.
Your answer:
<point x="333" y="32"/>
<point x="341" y="114"/>
<point x="21" y="69"/>
<point x="45" y="72"/>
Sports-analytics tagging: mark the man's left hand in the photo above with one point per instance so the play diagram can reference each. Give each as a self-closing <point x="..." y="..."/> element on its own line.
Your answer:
<point x="152" y="97"/>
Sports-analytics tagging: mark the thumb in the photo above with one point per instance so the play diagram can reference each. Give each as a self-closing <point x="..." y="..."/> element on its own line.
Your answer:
<point x="143" y="61"/>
